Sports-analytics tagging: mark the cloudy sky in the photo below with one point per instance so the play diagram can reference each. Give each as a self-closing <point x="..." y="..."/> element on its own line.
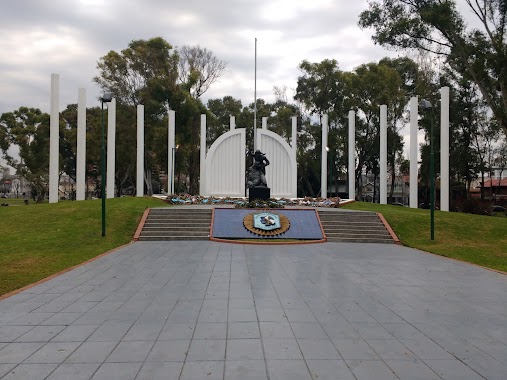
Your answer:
<point x="68" y="37"/>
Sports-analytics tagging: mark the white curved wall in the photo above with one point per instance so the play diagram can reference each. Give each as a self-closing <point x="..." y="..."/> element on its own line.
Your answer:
<point x="281" y="174"/>
<point x="225" y="165"/>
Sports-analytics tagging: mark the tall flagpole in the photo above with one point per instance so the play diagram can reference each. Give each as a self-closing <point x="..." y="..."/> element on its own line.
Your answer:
<point x="255" y="100"/>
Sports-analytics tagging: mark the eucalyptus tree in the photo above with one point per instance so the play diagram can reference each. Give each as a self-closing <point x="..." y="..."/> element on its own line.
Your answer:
<point x="436" y="26"/>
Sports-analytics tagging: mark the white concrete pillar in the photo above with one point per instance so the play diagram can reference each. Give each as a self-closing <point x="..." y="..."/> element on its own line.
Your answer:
<point x="264" y="122"/>
<point x="383" y="154"/>
<point x="444" y="149"/>
<point x="171" y="151"/>
<point x="232" y="123"/>
<point x="414" y="147"/>
<point x="140" y="151"/>
<point x="352" y="155"/>
<point x="202" y="176"/>
<point x="111" y="148"/>
<point x="323" y="172"/>
<point x="294" y="133"/>
<point x="81" y="146"/>
<point x="54" y="139"/>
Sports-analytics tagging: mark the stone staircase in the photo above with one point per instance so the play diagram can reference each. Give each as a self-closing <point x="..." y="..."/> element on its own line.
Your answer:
<point x="187" y="223"/>
<point x="177" y="224"/>
<point x="354" y="227"/>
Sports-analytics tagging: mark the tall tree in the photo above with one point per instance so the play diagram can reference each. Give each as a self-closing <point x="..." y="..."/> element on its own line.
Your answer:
<point x="437" y="26"/>
<point x="199" y="68"/>
<point x="28" y="128"/>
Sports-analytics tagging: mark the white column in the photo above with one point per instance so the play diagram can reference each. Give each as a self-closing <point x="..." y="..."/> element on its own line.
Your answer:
<point x="54" y="139"/>
<point x="352" y="155"/>
<point x="444" y="149"/>
<point x="323" y="172"/>
<point x="140" y="151"/>
<point x="264" y="122"/>
<point x="111" y="148"/>
<point x="202" y="176"/>
<point x="383" y="154"/>
<point x="171" y="151"/>
<point x="294" y="137"/>
<point x="414" y="146"/>
<point x="81" y="146"/>
<point x="232" y="123"/>
<point x="294" y="133"/>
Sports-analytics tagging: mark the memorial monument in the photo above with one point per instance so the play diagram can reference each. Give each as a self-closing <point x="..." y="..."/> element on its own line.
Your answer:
<point x="256" y="181"/>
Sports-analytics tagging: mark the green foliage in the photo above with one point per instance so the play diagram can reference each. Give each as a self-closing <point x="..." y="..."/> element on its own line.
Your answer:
<point x="478" y="54"/>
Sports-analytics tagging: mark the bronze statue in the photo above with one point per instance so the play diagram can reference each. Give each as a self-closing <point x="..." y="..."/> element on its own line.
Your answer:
<point x="257" y="172"/>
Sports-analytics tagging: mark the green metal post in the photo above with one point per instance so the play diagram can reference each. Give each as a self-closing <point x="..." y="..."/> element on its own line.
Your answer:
<point x="432" y="184"/>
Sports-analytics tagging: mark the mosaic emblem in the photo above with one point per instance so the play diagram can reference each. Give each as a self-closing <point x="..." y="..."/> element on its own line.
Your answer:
<point x="266" y="223"/>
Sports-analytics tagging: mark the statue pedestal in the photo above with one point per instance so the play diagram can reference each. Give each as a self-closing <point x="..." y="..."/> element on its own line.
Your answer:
<point x="259" y="193"/>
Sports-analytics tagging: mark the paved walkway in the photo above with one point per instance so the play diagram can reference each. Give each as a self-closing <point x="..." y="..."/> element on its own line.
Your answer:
<point x="204" y="310"/>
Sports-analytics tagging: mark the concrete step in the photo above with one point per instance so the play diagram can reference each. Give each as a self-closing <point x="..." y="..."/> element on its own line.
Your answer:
<point x="169" y="238"/>
<point x="361" y="240"/>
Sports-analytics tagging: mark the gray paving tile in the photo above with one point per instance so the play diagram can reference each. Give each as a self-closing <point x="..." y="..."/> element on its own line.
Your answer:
<point x="177" y="331"/>
<point x="210" y="331"/>
<point x="4" y="368"/>
<point x="53" y="353"/>
<point x="244" y="349"/>
<point x="61" y="319"/>
<point x="124" y="371"/>
<point x="110" y="332"/>
<point x="452" y="370"/>
<point x="31" y="319"/>
<point x="242" y="315"/>
<point x="412" y="370"/>
<point x="78" y="371"/>
<point x="276" y="330"/>
<point x="370" y="369"/>
<point x="169" y="350"/>
<point x="308" y="330"/>
<point x="245" y="370"/>
<point x="15" y="353"/>
<point x="75" y="333"/>
<point x="30" y="372"/>
<point x="91" y="352"/>
<point x="281" y="349"/>
<point x="130" y="352"/>
<point x="271" y="315"/>
<point x="160" y="371"/>
<point x="329" y="370"/>
<point x="144" y="331"/>
<point x="198" y="370"/>
<point x="490" y="369"/>
<point x="426" y="349"/>
<point x="355" y="349"/>
<point x="243" y="330"/>
<point x="321" y="349"/>
<point x="40" y="334"/>
<point x="11" y="333"/>
<point x="288" y="369"/>
<point x="390" y="349"/>
<point x="202" y="350"/>
<point x="372" y="331"/>
<point x="212" y="315"/>
<point x="241" y="303"/>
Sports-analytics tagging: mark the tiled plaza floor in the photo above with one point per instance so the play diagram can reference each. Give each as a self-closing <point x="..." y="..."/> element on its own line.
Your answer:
<point x="204" y="310"/>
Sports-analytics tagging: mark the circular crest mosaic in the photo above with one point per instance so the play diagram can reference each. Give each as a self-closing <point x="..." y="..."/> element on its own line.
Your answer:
<point x="266" y="223"/>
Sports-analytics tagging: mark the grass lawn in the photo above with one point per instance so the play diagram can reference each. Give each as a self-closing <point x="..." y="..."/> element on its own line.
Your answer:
<point x="39" y="240"/>
<point x="477" y="239"/>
